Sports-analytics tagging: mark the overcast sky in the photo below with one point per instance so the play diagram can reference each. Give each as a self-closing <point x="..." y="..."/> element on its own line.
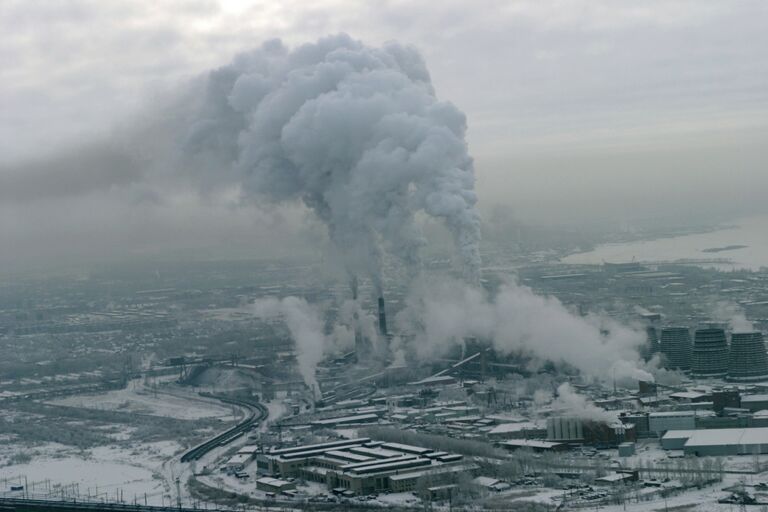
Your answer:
<point x="578" y="110"/>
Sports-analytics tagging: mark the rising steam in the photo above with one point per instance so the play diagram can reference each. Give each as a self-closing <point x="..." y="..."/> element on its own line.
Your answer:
<point x="517" y="320"/>
<point x="355" y="133"/>
<point x="306" y="328"/>
<point x="581" y="406"/>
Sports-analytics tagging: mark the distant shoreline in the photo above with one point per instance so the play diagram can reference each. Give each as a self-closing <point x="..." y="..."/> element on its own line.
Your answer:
<point x="744" y="242"/>
<point x="726" y="248"/>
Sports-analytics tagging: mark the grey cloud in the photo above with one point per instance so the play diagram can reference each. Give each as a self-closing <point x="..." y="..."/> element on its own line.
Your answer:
<point x="576" y="111"/>
<point x="78" y="172"/>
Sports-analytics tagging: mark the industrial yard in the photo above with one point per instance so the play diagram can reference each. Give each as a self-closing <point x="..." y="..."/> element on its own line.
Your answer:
<point x="474" y="428"/>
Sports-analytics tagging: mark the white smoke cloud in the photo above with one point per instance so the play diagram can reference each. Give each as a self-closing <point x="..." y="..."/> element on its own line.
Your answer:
<point x="516" y="319"/>
<point x="724" y="311"/>
<point x="306" y="328"/>
<point x="353" y="315"/>
<point x="581" y="406"/>
<point x="305" y="323"/>
<point x="351" y="318"/>
<point x="355" y="133"/>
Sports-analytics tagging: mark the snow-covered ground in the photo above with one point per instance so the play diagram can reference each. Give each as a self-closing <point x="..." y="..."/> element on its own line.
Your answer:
<point x="126" y="469"/>
<point x="181" y="404"/>
<point x="110" y="472"/>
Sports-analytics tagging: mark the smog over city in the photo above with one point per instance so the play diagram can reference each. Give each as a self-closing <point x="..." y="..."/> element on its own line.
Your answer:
<point x="262" y="255"/>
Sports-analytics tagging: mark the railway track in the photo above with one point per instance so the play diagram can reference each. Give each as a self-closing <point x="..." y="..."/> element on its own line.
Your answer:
<point x="257" y="414"/>
<point x="33" y="505"/>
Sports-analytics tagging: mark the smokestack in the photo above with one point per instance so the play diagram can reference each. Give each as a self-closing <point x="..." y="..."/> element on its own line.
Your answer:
<point x="382" y="317"/>
<point x="359" y="341"/>
<point x="353" y="286"/>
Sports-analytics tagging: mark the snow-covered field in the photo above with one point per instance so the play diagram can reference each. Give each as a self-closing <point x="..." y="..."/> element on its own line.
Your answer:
<point x="129" y="467"/>
<point x="111" y="473"/>
<point x="137" y="399"/>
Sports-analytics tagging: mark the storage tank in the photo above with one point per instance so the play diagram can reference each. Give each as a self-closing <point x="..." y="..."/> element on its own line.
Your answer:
<point x="747" y="359"/>
<point x="676" y="346"/>
<point x="710" y="353"/>
<point x="564" y="428"/>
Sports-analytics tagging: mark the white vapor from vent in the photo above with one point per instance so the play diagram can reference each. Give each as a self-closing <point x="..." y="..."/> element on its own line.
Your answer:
<point x="517" y="320"/>
<point x="733" y="314"/>
<point x="306" y="328"/>
<point x="355" y="133"/>
<point x="581" y="406"/>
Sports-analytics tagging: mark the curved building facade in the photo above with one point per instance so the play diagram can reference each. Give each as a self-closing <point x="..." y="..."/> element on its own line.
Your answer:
<point x="747" y="359"/>
<point x="710" y="353"/>
<point x="676" y="347"/>
<point x="652" y="338"/>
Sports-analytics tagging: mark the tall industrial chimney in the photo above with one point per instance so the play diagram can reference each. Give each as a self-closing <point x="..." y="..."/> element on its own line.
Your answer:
<point x="359" y="341"/>
<point x="382" y="317"/>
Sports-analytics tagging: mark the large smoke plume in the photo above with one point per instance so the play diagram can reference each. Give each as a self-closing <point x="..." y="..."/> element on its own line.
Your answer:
<point x="517" y="320"/>
<point x="355" y="133"/>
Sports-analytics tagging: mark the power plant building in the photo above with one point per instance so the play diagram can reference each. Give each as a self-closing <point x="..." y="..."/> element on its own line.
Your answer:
<point x="362" y="466"/>
<point x="710" y="353"/>
<point x="676" y="346"/>
<point x="747" y="359"/>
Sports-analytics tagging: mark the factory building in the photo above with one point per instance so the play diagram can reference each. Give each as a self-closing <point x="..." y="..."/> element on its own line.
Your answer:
<point x="729" y="398"/>
<point x="661" y="422"/>
<point x="574" y="430"/>
<point x="355" y="419"/>
<point x="718" y="442"/>
<point x="361" y="466"/>
<point x="676" y="346"/>
<point x="754" y="402"/>
<point x="274" y="485"/>
<point x="710" y="353"/>
<point x="747" y="359"/>
<point x="534" y="445"/>
<point x="519" y="430"/>
<point x="640" y="422"/>
<point x="565" y="428"/>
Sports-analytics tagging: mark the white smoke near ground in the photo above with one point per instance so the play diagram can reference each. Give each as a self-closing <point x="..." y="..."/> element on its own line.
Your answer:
<point x="353" y="315"/>
<point x="542" y="397"/>
<point x="581" y="406"/>
<point x="306" y="328"/>
<point x="733" y="314"/>
<point x="517" y="320"/>
<point x="356" y="133"/>
<point x="352" y="318"/>
<point x="398" y="353"/>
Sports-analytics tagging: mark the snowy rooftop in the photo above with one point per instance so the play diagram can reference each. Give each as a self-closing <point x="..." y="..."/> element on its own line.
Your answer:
<point x="728" y="436"/>
<point x="505" y="428"/>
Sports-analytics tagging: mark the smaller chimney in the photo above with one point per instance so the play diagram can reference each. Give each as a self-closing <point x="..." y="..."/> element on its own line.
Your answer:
<point x="382" y="318"/>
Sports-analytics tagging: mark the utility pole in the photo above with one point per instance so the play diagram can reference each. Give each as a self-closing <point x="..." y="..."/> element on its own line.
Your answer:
<point x="178" y="493"/>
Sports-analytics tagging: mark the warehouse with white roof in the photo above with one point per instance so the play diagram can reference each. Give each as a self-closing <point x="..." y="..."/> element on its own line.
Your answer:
<point x="718" y="441"/>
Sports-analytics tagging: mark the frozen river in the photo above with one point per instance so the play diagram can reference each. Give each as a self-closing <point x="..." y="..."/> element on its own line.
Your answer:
<point x="745" y="246"/>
